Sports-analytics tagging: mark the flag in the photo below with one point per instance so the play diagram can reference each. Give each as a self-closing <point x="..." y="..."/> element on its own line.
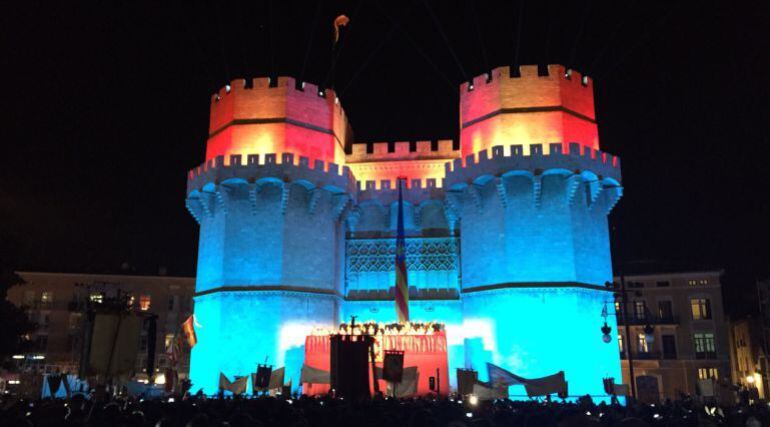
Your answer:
<point x="276" y="379"/>
<point x="188" y="327"/>
<point x="552" y="384"/>
<point x="312" y="375"/>
<point x="239" y="386"/>
<point x="485" y="392"/>
<point x="402" y="285"/>
<point x="224" y="383"/>
<point x="500" y="377"/>
<point x="340" y="21"/>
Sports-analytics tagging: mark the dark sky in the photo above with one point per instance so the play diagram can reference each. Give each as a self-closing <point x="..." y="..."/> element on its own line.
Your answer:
<point x="105" y="106"/>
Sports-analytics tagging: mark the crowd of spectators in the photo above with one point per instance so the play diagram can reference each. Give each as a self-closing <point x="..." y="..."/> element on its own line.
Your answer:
<point x="326" y="412"/>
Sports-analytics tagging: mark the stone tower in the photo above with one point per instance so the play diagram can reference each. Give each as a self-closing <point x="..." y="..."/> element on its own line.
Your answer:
<point x="532" y="194"/>
<point x="507" y="237"/>
<point x="268" y="200"/>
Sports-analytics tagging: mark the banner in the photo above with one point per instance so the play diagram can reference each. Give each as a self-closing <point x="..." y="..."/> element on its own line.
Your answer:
<point x="408" y="385"/>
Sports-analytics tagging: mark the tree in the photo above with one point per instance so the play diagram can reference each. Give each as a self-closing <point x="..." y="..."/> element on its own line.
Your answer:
<point x="15" y="324"/>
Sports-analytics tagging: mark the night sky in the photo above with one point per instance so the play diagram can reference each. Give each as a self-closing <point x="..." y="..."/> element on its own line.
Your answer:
<point x="105" y="107"/>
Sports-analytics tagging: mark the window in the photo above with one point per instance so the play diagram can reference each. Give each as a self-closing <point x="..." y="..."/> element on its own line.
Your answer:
<point x="168" y="341"/>
<point x="620" y="342"/>
<point x="143" y="343"/>
<point x="708" y="373"/>
<point x="131" y="300"/>
<point x="640" y="309"/>
<point x="704" y="345"/>
<point x="703" y="282"/>
<point x="641" y="344"/>
<point x="617" y="307"/>
<point x="144" y="302"/>
<point x="669" y="346"/>
<point x="665" y="310"/>
<point x="46" y="297"/>
<point x="96" y="297"/>
<point x="692" y="282"/>
<point x="171" y="303"/>
<point x="663" y="284"/>
<point x="701" y="308"/>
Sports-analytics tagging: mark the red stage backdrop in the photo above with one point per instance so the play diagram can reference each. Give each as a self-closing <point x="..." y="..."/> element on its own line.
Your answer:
<point x="428" y="352"/>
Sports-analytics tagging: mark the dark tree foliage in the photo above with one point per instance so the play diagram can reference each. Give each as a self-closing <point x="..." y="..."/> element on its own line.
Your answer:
<point x="14" y="324"/>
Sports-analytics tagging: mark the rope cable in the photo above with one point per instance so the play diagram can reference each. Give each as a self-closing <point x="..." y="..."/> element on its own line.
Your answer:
<point x="437" y="24"/>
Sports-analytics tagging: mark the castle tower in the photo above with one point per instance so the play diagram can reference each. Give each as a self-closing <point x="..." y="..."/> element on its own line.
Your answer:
<point x="532" y="195"/>
<point x="269" y="200"/>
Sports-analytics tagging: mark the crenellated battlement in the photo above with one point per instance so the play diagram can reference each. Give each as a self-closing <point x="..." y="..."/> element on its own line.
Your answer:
<point x="528" y="73"/>
<point x="386" y="192"/>
<point x="286" y="167"/>
<point x="402" y="150"/>
<point x="499" y="160"/>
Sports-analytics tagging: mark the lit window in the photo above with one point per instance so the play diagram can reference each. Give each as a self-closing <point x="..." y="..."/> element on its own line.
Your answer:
<point x="701" y="308"/>
<point x="704" y="345"/>
<point x="46" y="297"/>
<point x="620" y="342"/>
<point x="640" y="309"/>
<point x="96" y="297"/>
<point x="617" y="306"/>
<point x="692" y="282"/>
<point x="641" y="343"/>
<point x="144" y="302"/>
<point x="169" y="340"/>
<point x="703" y="282"/>
<point x="708" y="373"/>
<point x="131" y="300"/>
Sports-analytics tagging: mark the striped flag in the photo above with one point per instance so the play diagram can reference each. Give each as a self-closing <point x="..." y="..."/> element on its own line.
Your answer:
<point x="188" y="327"/>
<point x="402" y="285"/>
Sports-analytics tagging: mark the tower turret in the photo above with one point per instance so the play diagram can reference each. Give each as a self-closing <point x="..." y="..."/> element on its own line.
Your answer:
<point x="257" y="117"/>
<point x="499" y="109"/>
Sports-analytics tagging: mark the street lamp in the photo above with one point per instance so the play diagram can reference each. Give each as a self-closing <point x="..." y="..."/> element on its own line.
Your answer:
<point x="606" y="330"/>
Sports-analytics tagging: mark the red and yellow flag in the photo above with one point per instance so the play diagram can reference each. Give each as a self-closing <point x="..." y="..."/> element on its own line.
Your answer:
<point x="402" y="284"/>
<point x="188" y="327"/>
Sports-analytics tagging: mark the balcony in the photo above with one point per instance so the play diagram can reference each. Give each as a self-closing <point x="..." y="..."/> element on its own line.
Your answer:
<point x="652" y="320"/>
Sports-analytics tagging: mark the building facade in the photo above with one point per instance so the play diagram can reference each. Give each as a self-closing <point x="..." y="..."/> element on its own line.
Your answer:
<point x="690" y="334"/>
<point x="56" y="302"/>
<point x="507" y="236"/>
